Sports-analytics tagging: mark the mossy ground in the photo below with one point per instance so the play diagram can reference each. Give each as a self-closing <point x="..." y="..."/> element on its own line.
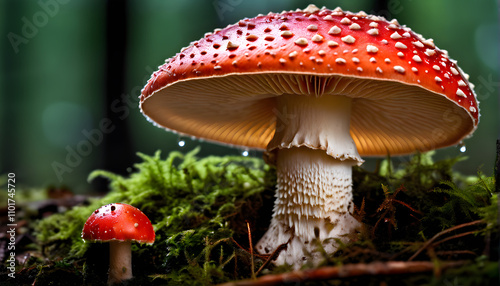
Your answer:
<point x="201" y="210"/>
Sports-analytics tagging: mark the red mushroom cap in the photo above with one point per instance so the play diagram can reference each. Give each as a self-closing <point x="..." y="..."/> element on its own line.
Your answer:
<point x="119" y="222"/>
<point x="409" y="95"/>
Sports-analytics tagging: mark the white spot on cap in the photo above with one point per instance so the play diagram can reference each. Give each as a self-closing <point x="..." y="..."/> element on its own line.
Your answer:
<point x="373" y="32"/>
<point x="337" y="13"/>
<point x="472" y="109"/>
<point x="311" y="8"/>
<point x="461" y="83"/>
<point x="355" y="26"/>
<point x="355" y="60"/>
<point x="461" y="93"/>
<point x="400" y="54"/>
<point x="301" y="42"/>
<point x="282" y="60"/>
<point x="436" y="67"/>
<point x="317" y="38"/>
<point x="387" y="60"/>
<point x="283" y="27"/>
<point x="399" y="69"/>
<point x="340" y="61"/>
<point x="454" y="71"/>
<point x="379" y="70"/>
<point x="328" y="18"/>
<point x="385" y="42"/>
<point x="374" y="18"/>
<point x="348" y="39"/>
<point x="414" y="69"/>
<point x="286" y="34"/>
<point x="429" y="42"/>
<point x="252" y="37"/>
<point x="371" y="49"/>
<point x="438" y="79"/>
<point x="232" y="45"/>
<point x="430" y="52"/>
<point x="332" y="44"/>
<point x="345" y="21"/>
<point x="374" y="24"/>
<point x="136" y="224"/>
<point x="217" y="67"/>
<point x="417" y="58"/>
<point x="395" y="36"/>
<point x="418" y="44"/>
<point x="334" y="30"/>
<point x="312" y="28"/>
<point x="406" y="35"/>
<point x="373" y="60"/>
<point x="360" y="69"/>
<point x="400" y="45"/>
<point x="393" y="27"/>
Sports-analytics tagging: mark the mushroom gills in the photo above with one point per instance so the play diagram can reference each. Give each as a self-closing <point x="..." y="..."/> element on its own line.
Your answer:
<point x="314" y="154"/>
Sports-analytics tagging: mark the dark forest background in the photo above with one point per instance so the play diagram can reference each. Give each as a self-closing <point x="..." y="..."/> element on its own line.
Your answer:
<point x="71" y="72"/>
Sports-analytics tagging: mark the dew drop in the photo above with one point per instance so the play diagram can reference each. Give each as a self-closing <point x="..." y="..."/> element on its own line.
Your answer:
<point x="463" y="148"/>
<point x="181" y="141"/>
<point x="244" y="153"/>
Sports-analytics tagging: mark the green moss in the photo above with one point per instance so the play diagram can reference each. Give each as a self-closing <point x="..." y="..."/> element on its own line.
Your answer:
<point x="200" y="209"/>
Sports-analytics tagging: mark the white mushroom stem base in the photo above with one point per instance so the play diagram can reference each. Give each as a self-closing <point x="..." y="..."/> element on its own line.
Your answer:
<point x="120" y="262"/>
<point x="314" y="158"/>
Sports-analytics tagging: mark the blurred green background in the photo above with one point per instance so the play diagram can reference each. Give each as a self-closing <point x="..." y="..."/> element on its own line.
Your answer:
<point x="71" y="72"/>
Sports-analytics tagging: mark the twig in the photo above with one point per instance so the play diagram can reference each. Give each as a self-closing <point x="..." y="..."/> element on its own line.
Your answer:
<point x="268" y="257"/>
<point x="345" y="271"/>
<point x="251" y="249"/>
<point x="430" y="241"/>
<point x="452" y="237"/>
<point x="455" y="252"/>
<point x="275" y="254"/>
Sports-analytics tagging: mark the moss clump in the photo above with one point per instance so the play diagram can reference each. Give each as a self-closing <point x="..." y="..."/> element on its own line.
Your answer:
<point x="200" y="209"/>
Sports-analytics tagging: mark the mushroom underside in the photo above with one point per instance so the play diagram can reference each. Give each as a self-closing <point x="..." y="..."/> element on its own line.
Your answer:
<point x="241" y="109"/>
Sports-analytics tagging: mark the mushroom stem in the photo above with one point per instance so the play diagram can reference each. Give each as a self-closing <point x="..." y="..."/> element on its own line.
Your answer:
<point x="120" y="261"/>
<point x="314" y="154"/>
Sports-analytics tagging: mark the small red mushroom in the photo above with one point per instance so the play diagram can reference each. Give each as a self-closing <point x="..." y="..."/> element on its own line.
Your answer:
<point x="119" y="224"/>
<point x="316" y="89"/>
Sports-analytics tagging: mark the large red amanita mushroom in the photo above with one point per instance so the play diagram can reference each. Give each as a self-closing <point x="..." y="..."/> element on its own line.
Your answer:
<point x="119" y="224"/>
<point x="315" y="89"/>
